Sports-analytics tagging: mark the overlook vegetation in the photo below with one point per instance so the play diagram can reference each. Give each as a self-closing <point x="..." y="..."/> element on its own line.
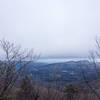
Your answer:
<point x="60" y="81"/>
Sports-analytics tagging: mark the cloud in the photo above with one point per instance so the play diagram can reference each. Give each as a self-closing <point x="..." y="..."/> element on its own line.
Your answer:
<point x="52" y="27"/>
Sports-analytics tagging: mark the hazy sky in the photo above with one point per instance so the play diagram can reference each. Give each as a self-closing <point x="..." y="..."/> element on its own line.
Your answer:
<point x="54" y="28"/>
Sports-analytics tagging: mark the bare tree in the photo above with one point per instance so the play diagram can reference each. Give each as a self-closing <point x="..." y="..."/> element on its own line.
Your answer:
<point x="94" y="55"/>
<point x="12" y="65"/>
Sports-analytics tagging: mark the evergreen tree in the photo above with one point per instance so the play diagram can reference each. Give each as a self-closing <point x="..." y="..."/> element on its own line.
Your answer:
<point x="27" y="91"/>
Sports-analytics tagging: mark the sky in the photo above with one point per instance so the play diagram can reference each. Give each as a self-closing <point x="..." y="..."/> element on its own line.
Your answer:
<point x="54" y="28"/>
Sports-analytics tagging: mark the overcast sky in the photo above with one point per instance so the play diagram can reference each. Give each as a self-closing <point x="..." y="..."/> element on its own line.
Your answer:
<point x="54" y="28"/>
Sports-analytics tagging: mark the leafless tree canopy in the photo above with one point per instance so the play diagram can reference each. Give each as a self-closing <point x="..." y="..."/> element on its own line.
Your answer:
<point x="13" y="64"/>
<point x="94" y="57"/>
